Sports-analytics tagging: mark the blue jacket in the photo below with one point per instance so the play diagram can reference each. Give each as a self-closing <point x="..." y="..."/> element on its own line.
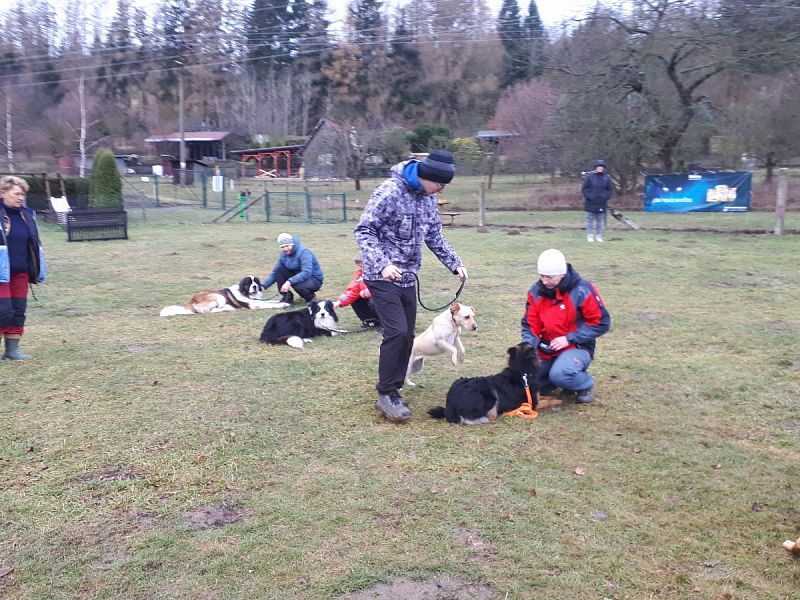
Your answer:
<point x="37" y="268"/>
<point x="398" y="218"/>
<point x="301" y="261"/>
<point x="597" y="189"/>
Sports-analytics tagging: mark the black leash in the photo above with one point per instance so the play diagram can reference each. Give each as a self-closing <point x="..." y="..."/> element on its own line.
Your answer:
<point x="422" y="304"/>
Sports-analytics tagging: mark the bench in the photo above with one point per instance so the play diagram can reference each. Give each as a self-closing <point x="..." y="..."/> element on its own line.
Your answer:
<point x="61" y="207"/>
<point x="97" y="224"/>
<point x="452" y="216"/>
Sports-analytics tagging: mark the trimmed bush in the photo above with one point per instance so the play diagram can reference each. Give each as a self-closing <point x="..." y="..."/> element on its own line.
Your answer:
<point x="105" y="184"/>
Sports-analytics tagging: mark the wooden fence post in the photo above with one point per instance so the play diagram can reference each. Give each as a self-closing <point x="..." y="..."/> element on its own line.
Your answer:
<point x="780" y="200"/>
<point x="482" y="205"/>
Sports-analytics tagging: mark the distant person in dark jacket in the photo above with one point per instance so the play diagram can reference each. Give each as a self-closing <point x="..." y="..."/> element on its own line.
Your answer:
<point x="21" y="262"/>
<point x="597" y="190"/>
<point x="297" y="269"/>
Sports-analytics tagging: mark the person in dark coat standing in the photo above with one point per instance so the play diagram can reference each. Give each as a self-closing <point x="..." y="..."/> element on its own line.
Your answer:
<point x="597" y="190"/>
<point x="21" y="262"/>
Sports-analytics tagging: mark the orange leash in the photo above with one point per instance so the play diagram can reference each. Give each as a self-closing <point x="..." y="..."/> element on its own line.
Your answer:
<point x="525" y="410"/>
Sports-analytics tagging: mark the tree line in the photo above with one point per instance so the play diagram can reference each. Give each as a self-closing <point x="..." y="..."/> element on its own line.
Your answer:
<point x="652" y="86"/>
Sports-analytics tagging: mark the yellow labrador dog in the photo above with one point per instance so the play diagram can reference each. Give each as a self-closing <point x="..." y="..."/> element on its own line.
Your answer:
<point x="441" y="337"/>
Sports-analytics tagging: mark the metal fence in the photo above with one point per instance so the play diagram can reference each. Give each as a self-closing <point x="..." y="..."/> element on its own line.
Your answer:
<point x="279" y="201"/>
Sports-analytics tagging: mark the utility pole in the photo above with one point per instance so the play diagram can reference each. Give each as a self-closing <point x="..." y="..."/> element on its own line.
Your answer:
<point x="180" y="126"/>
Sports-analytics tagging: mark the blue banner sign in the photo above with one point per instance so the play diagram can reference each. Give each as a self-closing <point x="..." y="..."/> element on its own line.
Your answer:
<point x="691" y="192"/>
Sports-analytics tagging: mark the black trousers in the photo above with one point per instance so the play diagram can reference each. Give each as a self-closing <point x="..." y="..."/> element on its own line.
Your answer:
<point x="364" y="309"/>
<point x="305" y="288"/>
<point x="397" y="309"/>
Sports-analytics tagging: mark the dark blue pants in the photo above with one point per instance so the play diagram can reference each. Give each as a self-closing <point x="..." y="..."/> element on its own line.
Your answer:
<point x="305" y="288"/>
<point x="568" y="371"/>
<point x="397" y="309"/>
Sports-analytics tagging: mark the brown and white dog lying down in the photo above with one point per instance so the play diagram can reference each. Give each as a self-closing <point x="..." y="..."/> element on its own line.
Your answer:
<point x="442" y="336"/>
<point x="247" y="294"/>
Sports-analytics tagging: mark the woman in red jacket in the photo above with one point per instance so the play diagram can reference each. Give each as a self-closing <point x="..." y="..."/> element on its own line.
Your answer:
<point x="358" y="296"/>
<point x="564" y="315"/>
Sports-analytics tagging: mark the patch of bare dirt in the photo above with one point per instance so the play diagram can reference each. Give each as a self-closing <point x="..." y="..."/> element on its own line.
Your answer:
<point x="115" y="473"/>
<point x="401" y="588"/>
<point x="477" y="547"/>
<point x="212" y="517"/>
<point x="142" y="347"/>
<point x="791" y="425"/>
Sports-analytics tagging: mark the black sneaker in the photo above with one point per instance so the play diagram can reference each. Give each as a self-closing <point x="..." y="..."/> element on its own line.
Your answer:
<point x="287" y="297"/>
<point x="370" y="323"/>
<point x="584" y="396"/>
<point x="392" y="407"/>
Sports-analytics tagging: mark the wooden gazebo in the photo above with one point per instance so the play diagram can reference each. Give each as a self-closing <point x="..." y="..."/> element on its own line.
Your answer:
<point x="275" y="161"/>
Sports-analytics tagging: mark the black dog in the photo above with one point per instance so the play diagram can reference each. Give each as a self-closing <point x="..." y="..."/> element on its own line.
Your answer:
<point x="296" y="326"/>
<point x="478" y="400"/>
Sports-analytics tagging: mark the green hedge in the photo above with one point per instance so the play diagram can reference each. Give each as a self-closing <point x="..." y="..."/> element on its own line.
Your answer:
<point x="77" y="190"/>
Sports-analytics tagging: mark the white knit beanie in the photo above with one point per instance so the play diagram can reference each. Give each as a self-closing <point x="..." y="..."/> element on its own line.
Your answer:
<point x="285" y="239"/>
<point x="552" y="262"/>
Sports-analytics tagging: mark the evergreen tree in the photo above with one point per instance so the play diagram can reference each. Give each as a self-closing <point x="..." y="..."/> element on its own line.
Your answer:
<point x="309" y="28"/>
<point x="512" y="35"/>
<point x="369" y="34"/>
<point x="404" y="72"/>
<point x="105" y="184"/>
<point x="267" y="37"/>
<point x="174" y="52"/>
<point x="536" y="41"/>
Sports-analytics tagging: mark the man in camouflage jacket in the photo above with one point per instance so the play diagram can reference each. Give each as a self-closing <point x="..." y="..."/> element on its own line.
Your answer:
<point x="402" y="214"/>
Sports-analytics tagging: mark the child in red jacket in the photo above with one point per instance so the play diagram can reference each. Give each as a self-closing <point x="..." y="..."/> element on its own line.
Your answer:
<point x="358" y="296"/>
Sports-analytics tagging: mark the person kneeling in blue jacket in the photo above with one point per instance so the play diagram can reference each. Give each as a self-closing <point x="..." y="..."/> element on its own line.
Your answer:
<point x="297" y="269"/>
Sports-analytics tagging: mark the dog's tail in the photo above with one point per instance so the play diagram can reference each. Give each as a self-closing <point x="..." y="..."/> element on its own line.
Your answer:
<point x="437" y="412"/>
<point x="171" y="311"/>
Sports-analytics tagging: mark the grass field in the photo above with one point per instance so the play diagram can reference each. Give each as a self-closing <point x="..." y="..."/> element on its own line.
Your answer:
<point x="178" y="458"/>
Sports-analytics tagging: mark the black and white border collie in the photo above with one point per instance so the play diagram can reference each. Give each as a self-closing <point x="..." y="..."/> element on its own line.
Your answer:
<point x="248" y="294"/>
<point x="479" y="400"/>
<point x="295" y="327"/>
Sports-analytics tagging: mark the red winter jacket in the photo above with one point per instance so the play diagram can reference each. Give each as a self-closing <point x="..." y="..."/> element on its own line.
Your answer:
<point x="574" y="309"/>
<point x="356" y="290"/>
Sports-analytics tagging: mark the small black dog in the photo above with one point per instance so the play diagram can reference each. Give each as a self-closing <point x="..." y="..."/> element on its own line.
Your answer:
<point x="478" y="400"/>
<point x="296" y="326"/>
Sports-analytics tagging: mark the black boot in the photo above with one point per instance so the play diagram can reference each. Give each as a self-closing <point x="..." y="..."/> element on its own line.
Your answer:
<point x="287" y="297"/>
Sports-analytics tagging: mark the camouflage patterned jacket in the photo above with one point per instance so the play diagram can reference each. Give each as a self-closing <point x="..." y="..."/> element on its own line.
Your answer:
<point x="393" y="226"/>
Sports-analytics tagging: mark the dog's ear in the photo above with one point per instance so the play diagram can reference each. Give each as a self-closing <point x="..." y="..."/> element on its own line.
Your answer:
<point x="454" y="308"/>
<point x="512" y="352"/>
<point x="256" y="280"/>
